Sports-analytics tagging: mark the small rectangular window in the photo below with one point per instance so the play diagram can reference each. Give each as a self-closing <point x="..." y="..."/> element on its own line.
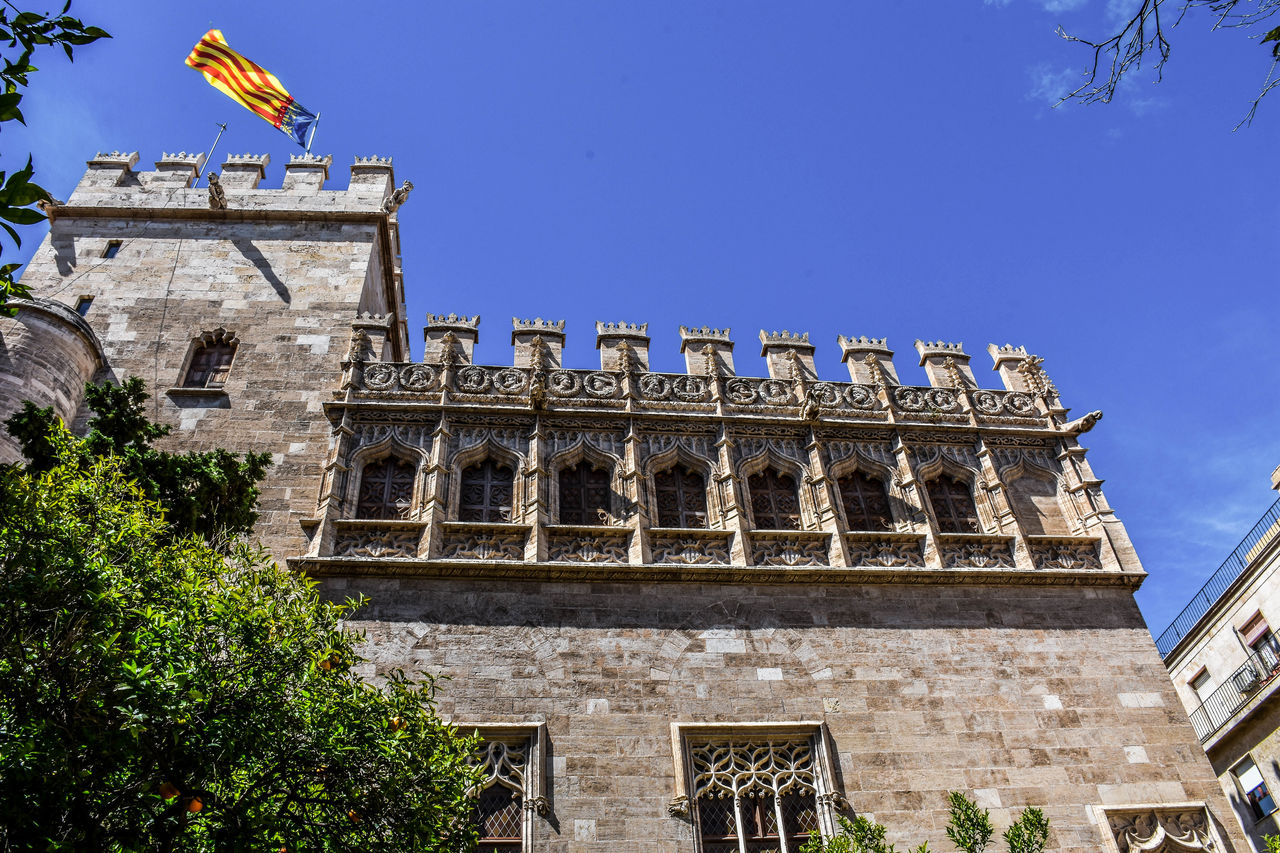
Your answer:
<point x="113" y="246"/>
<point x="1200" y="684"/>
<point x="1249" y="777"/>
<point x="82" y="305"/>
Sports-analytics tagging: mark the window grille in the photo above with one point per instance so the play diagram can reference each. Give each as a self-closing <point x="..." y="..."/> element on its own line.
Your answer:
<point x="775" y="503"/>
<point x="757" y="797"/>
<point x="953" y="506"/>
<point x="499" y="811"/>
<point x="210" y="363"/>
<point x="866" y="503"/>
<point x="682" y="499"/>
<point x="386" y="489"/>
<point x="486" y="492"/>
<point x="584" y="495"/>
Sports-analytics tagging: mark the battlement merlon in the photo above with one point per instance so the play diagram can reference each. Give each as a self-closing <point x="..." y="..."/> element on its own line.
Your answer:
<point x="785" y="352"/>
<point x="452" y="333"/>
<point x="855" y="353"/>
<point x="538" y="340"/>
<point x="616" y="339"/>
<point x="706" y="350"/>
<point x="112" y="182"/>
<point x="946" y="364"/>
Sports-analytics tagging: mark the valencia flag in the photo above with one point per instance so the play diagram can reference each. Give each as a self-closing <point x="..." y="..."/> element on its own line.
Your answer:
<point x="251" y="85"/>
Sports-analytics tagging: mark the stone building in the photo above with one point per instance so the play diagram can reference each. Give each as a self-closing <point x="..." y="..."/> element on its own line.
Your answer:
<point x="1223" y="656"/>
<point x="687" y="611"/>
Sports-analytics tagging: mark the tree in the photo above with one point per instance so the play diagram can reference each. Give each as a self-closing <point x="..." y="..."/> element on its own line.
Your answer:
<point x="1146" y="32"/>
<point x="28" y="31"/>
<point x="212" y="494"/>
<point x="969" y="829"/>
<point x="159" y="694"/>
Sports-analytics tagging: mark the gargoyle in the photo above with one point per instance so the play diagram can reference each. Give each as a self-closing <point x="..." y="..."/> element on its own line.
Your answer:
<point x="217" y="196"/>
<point x="397" y="198"/>
<point x="1082" y="425"/>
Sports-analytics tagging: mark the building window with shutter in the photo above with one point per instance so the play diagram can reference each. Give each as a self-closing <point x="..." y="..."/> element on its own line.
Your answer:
<point x="486" y="492"/>
<point x="953" y="506"/>
<point x="584" y="495"/>
<point x="386" y="489"/>
<point x="682" y="498"/>
<point x="775" y="502"/>
<point x="210" y="360"/>
<point x="866" y="502"/>
<point x="1254" y="788"/>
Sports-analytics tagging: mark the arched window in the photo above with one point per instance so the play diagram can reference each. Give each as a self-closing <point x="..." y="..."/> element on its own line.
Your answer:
<point x="486" y="492"/>
<point x="584" y="495"/>
<point x="1035" y="504"/>
<point x="682" y="498"/>
<point x="775" y="503"/>
<point x="866" y="503"/>
<point x="210" y="361"/>
<point x="953" y="506"/>
<point x="386" y="489"/>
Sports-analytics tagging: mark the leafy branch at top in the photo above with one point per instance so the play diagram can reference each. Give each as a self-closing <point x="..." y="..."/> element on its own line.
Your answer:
<point x="21" y="33"/>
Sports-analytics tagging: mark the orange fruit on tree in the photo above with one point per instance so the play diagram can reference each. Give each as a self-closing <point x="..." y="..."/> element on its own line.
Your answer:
<point x="168" y="790"/>
<point x="195" y="805"/>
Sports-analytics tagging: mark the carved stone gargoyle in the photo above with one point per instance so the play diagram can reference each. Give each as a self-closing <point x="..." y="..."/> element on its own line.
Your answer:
<point x="217" y="195"/>
<point x="1082" y="425"/>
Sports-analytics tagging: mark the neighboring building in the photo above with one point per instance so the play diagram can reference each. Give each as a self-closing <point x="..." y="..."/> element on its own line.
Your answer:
<point x="687" y="611"/>
<point x="1223" y="654"/>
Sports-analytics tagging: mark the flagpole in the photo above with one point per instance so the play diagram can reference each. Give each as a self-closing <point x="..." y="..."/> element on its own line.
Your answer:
<point x="222" y="127"/>
<point x="312" y="137"/>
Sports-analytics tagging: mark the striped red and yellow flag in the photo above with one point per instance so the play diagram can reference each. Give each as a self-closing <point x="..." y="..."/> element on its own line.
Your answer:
<point x="250" y="85"/>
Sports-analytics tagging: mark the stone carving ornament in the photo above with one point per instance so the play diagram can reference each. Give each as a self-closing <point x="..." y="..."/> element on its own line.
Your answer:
<point x="471" y="379"/>
<point x="474" y="544"/>
<point x="377" y="543"/>
<point x="1066" y="555"/>
<point x="576" y="548"/>
<point x="753" y="769"/>
<point x="690" y="551"/>
<point x="417" y="377"/>
<point x="783" y="550"/>
<point x="1161" y="831"/>
<point x="379" y="376"/>
<point x="885" y="553"/>
<point x="502" y="764"/>
<point x="510" y="380"/>
<point x="976" y="555"/>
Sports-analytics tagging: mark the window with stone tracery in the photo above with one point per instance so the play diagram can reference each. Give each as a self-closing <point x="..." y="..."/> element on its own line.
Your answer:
<point x="386" y="489"/>
<point x="499" y="812"/>
<point x="486" y="492"/>
<point x="953" y="506"/>
<point x="682" y="498"/>
<point x="775" y="501"/>
<point x="866" y="502"/>
<point x="584" y="495"/>
<point x="754" y="795"/>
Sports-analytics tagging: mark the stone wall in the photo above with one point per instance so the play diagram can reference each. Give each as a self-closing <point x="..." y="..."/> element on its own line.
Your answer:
<point x="1052" y="697"/>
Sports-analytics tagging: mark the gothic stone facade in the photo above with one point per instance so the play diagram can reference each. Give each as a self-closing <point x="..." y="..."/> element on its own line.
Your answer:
<point x="691" y="611"/>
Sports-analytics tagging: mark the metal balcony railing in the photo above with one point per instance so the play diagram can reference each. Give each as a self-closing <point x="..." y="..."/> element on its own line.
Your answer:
<point x="1234" y="566"/>
<point x="1259" y="670"/>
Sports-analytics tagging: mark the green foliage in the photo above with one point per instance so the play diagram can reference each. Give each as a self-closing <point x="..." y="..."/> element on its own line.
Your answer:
<point x="1272" y="842"/>
<point x="157" y="694"/>
<point x="1029" y="833"/>
<point x="23" y="32"/>
<point x="970" y="827"/>
<point x="211" y="494"/>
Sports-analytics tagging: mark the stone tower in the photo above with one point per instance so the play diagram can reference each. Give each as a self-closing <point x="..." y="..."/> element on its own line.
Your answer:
<point x="701" y="611"/>
<point x="235" y="310"/>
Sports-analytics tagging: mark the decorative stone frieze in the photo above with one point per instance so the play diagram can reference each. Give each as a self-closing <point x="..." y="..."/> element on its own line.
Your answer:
<point x="975" y="551"/>
<point x="886" y="550"/>
<point x="1174" y="828"/>
<point x="479" y="541"/>
<point x="690" y="547"/>
<point x="1065" y="553"/>
<point x="790" y="548"/>
<point x="573" y="544"/>
<point x="377" y="539"/>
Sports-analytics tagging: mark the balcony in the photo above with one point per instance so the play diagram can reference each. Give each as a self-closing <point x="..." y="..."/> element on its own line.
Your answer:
<point x="1239" y="690"/>
<point x="1240" y="559"/>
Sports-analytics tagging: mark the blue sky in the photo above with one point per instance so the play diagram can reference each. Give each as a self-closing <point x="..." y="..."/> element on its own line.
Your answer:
<point x="831" y="167"/>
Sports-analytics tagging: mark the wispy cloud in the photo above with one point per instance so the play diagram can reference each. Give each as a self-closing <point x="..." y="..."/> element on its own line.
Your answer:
<point x="1047" y="5"/>
<point x="1050" y="84"/>
<point x="1119" y="11"/>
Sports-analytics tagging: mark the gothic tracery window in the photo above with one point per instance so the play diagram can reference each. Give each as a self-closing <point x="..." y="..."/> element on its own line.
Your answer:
<point x="953" y="506"/>
<point x="682" y="498"/>
<point x="866" y="503"/>
<point x="775" y="502"/>
<point x="584" y="495"/>
<point x="486" y="492"/>
<point x="386" y="489"/>
<point x="755" y="796"/>
<point x="210" y="360"/>
<point x="499" y="809"/>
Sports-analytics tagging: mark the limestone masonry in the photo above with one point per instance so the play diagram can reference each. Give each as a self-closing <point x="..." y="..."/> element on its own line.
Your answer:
<point x="691" y="611"/>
